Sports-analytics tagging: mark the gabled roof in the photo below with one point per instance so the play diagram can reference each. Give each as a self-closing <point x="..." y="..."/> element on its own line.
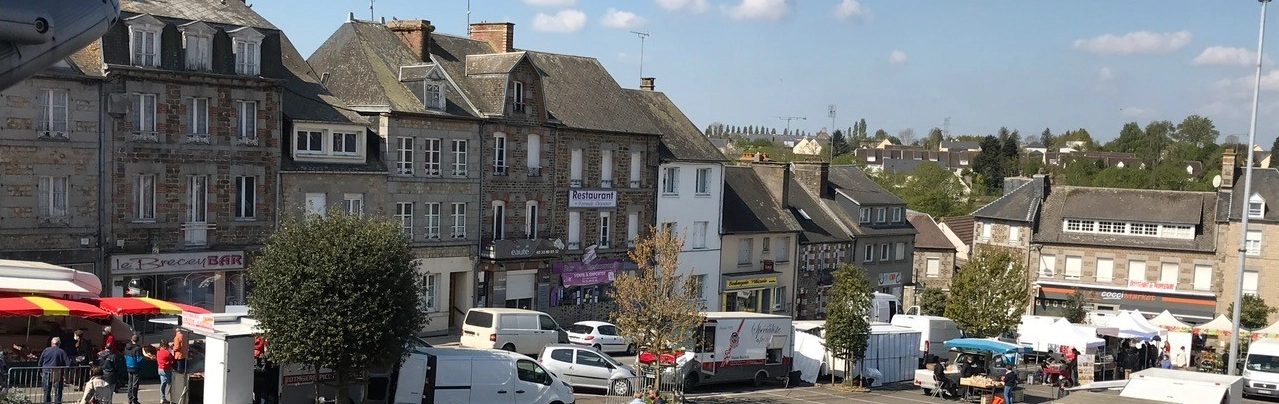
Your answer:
<point x="927" y="234"/>
<point x="492" y="63"/>
<point x="681" y="140"/>
<point x="854" y="183"/>
<point x="1136" y="205"/>
<point x="305" y="99"/>
<point x="1021" y="204"/>
<point x="962" y="226"/>
<point x="232" y="12"/>
<point x="751" y="207"/>
<point x="817" y="222"/>
<point x="1265" y="182"/>
<point x="582" y="94"/>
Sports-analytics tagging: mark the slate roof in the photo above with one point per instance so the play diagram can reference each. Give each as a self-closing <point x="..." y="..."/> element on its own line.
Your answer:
<point x="854" y="183"/>
<point x="492" y="63"/>
<point x="1138" y="205"/>
<point x="305" y="99"/>
<point x="901" y="166"/>
<point x="748" y="206"/>
<point x="1021" y="204"/>
<point x="927" y="234"/>
<point x="1265" y="182"/>
<point x="232" y="12"/>
<point x="582" y="94"/>
<point x="962" y="226"/>
<point x="960" y="144"/>
<point x="1035" y="145"/>
<point x="681" y="140"/>
<point x="819" y="225"/>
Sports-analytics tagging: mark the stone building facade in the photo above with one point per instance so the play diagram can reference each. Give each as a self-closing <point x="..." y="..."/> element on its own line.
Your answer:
<point x="934" y="260"/>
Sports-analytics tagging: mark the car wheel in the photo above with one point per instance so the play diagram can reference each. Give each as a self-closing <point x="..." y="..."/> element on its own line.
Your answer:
<point x="508" y="347"/>
<point x="690" y="381"/>
<point x="928" y="392"/>
<point x="760" y="378"/>
<point x="621" y="388"/>
<point x="598" y="347"/>
<point x="630" y="350"/>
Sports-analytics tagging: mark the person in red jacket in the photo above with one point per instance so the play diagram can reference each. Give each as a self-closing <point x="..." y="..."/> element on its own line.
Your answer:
<point x="164" y="364"/>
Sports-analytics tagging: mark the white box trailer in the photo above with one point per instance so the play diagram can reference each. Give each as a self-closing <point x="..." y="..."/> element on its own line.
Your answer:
<point x="740" y="346"/>
<point x="1180" y="386"/>
<point x="891" y="350"/>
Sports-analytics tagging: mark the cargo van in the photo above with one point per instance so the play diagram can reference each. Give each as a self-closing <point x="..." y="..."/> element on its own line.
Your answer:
<point x="883" y="307"/>
<point x="515" y="330"/>
<point x="934" y="331"/>
<point x="1261" y="368"/>
<point x="465" y="375"/>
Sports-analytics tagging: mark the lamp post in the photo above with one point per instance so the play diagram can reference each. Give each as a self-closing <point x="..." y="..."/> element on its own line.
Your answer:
<point x="1243" y="211"/>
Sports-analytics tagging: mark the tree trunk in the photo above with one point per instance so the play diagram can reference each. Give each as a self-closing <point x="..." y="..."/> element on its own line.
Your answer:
<point x="343" y="390"/>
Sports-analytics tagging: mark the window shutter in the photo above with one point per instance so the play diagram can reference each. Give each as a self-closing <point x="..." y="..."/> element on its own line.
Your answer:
<point x="42" y="118"/>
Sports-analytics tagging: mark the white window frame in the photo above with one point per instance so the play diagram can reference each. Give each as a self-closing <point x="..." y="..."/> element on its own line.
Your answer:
<point x="518" y="104"/>
<point x="404" y="212"/>
<point x="632" y="228"/>
<point x="766" y="246"/>
<point x="308" y="141"/>
<point x="316" y="203"/>
<point x="885" y="252"/>
<point x="699" y="234"/>
<point x="346" y="143"/>
<point x="869" y="253"/>
<point x="532" y="217"/>
<point x="1105" y="269"/>
<point x="606" y="168"/>
<point x="1156" y="230"/>
<point x="246" y="43"/>
<point x="1169" y="272"/>
<point x="54" y="191"/>
<point x="637" y="161"/>
<point x="745" y="249"/>
<point x="986" y="229"/>
<point x="458" y="212"/>
<point x="783" y="250"/>
<point x="144" y="44"/>
<point x="864" y="216"/>
<point x="534" y="150"/>
<point x="1074" y="267"/>
<point x="881" y="215"/>
<point x="54" y="115"/>
<point x="430" y="295"/>
<point x="199" y="109"/>
<point x="670" y="181"/>
<point x="932" y="267"/>
<point x="198" y="43"/>
<point x="433" y="94"/>
<point x="1047" y="266"/>
<point x="605" y="229"/>
<point x="1203" y="277"/>
<point x="144" y="106"/>
<point x="498" y="226"/>
<point x="499" y="154"/>
<point x="144" y="198"/>
<point x="1256" y="206"/>
<point x="353" y="204"/>
<point x="246" y="197"/>
<point x="897" y="215"/>
<point x="1251" y="281"/>
<point x="1014" y="234"/>
<point x="703" y="182"/>
<point x="574" y="230"/>
<point x="404" y="158"/>
<point x="431" y="156"/>
<point x="1253" y="243"/>
<point x="1137" y="267"/>
<point x="575" y="158"/>
<point x="197" y="210"/>
<point x="459" y="149"/>
<point x="431" y="215"/>
<point x="246" y="119"/>
<point x="900" y="251"/>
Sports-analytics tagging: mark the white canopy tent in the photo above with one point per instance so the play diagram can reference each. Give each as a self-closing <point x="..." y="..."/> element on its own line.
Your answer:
<point x="1271" y="331"/>
<point x="1130" y="328"/>
<point x="39" y="277"/>
<point x="1142" y="321"/>
<point x="1169" y="322"/>
<point x="1219" y="326"/>
<point x="1061" y="332"/>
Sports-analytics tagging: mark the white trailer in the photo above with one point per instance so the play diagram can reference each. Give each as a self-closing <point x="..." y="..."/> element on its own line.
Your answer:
<point x="1180" y="386"/>
<point x="740" y="346"/>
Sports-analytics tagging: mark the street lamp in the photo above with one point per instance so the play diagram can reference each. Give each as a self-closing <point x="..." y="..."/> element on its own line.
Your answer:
<point x="1243" y="211"/>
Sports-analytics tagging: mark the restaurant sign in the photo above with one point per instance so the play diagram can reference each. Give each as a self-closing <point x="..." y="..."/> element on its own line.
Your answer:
<point x="749" y="282"/>
<point x="583" y="198"/>
<point x="1152" y="285"/>
<point x="524" y="248"/>
<point x="179" y="262"/>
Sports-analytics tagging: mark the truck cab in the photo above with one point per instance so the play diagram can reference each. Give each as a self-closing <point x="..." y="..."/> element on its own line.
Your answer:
<point x="1261" y="368"/>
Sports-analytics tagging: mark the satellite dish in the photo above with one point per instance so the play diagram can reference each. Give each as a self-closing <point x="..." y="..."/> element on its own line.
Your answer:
<point x="1216" y="181"/>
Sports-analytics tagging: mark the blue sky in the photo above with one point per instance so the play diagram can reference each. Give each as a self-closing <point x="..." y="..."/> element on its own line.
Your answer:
<point x="1027" y="65"/>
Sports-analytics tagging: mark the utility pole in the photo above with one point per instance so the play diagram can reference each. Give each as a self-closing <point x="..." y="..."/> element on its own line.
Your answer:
<point x="468" y="17"/>
<point x="371" y="11"/>
<point x="946" y="130"/>
<point x="642" y="37"/>
<point x="788" y="119"/>
<point x="830" y="142"/>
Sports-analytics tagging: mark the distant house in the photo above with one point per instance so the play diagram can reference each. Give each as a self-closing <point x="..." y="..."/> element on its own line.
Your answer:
<point x="959" y="228"/>
<point x="726" y="146"/>
<point x="956" y="145"/>
<point x="878" y="159"/>
<point x="807" y="146"/>
<point x="934" y="256"/>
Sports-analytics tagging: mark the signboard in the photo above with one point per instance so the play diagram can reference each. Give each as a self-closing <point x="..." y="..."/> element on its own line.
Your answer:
<point x="891" y="278"/>
<point x="749" y="282"/>
<point x="526" y="248"/>
<point x="583" y="198"/>
<point x="1152" y="285"/>
<point x="198" y="321"/>
<point x="585" y="278"/>
<point x="1086" y="362"/>
<point x="178" y="262"/>
<point x="308" y="378"/>
<point x="1146" y="301"/>
<point x="608" y="264"/>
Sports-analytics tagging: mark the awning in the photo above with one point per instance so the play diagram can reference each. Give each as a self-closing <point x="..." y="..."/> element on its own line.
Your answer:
<point x="39" y="277"/>
<point x="124" y="306"/>
<point x="46" y="306"/>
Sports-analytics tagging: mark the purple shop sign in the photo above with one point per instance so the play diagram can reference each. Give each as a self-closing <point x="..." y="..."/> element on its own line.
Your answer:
<point x="610" y="264"/>
<point x="585" y="278"/>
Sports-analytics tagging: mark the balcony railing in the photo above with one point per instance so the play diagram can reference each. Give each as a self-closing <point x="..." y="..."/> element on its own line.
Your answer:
<point x="575" y="183"/>
<point x="535" y="171"/>
<point x="144" y="136"/>
<point x="606" y="183"/>
<point x="197" y="233"/>
<point x="499" y="171"/>
<point x="575" y="245"/>
<point x="635" y="183"/>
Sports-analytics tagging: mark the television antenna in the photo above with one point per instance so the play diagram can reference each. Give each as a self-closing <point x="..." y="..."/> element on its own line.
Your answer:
<point x="788" y="120"/>
<point x="642" y="36"/>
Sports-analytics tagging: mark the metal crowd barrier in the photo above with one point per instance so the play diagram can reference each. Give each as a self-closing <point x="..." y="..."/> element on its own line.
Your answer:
<point x="673" y="390"/>
<point x="28" y="382"/>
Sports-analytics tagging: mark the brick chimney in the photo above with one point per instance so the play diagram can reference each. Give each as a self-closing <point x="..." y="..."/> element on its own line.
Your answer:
<point x="646" y="83"/>
<point x="416" y="34"/>
<point x="776" y="177"/>
<point x="813" y="174"/>
<point x="1228" y="168"/>
<point x="499" y="35"/>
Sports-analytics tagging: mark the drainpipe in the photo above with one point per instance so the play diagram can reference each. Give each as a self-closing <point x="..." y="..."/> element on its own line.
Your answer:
<point x="103" y="184"/>
<point x="479" y="241"/>
<point x="1037" y="247"/>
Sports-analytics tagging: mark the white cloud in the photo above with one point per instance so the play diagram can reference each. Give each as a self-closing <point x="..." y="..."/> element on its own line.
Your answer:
<point x="1135" y="43"/>
<point x="1108" y="81"/>
<point x="551" y="3"/>
<point x="1105" y="74"/>
<point x="1241" y="88"/>
<point x="694" y="6"/>
<point x="849" y="9"/>
<point x="1227" y="56"/>
<point x="1135" y="112"/>
<point x="897" y="57"/>
<point x="759" y="10"/>
<point x="563" y="22"/>
<point x="621" y="19"/>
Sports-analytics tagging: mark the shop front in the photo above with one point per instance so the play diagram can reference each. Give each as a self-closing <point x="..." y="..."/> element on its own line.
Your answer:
<point x="509" y="269"/>
<point x="890" y="283"/>
<point x="1148" y="297"/>
<point x="211" y="280"/>
<point x="755" y="292"/>
<point x="581" y="291"/>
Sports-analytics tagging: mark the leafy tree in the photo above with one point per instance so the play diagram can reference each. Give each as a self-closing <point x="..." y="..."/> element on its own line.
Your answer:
<point x="990" y="165"/>
<point x="335" y="271"/>
<point x="907" y="136"/>
<point x="932" y="301"/>
<point x="1048" y="139"/>
<point x="935" y="190"/>
<point x="1075" y="312"/>
<point x="989" y="294"/>
<point x="1115" y="177"/>
<point x="1130" y="137"/>
<point x="934" y="139"/>
<point x="1080" y="135"/>
<point x="1034" y="163"/>
<point x="848" y="159"/>
<point x="861" y="128"/>
<point x="658" y="307"/>
<point x="1196" y="138"/>
<point x="1010" y="148"/>
<point x="1274" y="148"/>
<point x="848" y="315"/>
<point x="1254" y="313"/>
<point x="880" y="134"/>
<point x="839" y="143"/>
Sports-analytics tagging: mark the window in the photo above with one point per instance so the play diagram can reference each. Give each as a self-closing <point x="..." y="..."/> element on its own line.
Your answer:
<point x="246" y="194"/>
<point x="575" y="168"/>
<point x="459" y="157"/>
<point x="430" y="285"/>
<point x="499" y="220"/>
<point x="197" y="210"/>
<point x="248" y="119"/>
<point x="53" y="112"/>
<point x="531" y="218"/>
<point x="1074" y="267"/>
<point x="1105" y="270"/>
<point x="865" y="215"/>
<point x="1168" y="272"/>
<point x="703" y="181"/>
<point x="606" y="168"/>
<point x="145" y="41"/>
<point x="529" y="371"/>
<point x="670" y="183"/>
<point x="404" y="212"/>
<point x="346" y="143"/>
<point x="744" y="251"/>
<point x="699" y="285"/>
<point x="783" y="250"/>
<point x="933" y="268"/>
<point x="499" y="153"/>
<point x="586" y="358"/>
<point x="985" y="231"/>
<point x="310" y="142"/>
<point x="768" y="245"/>
<point x="405" y="165"/>
<point x="432" y="95"/>
<point x="199" y="108"/>
<point x="632" y="228"/>
<point x="431" y="147"/>
<point x="897" y="215"/>
<point x="636" y="163"/>
<point x="534" y="151"/>
<point x="1136" y="271"/>
<point x="869" y="254"/>
<point x="316" y="204"/>
<point x="699" y="234"/>
<point x="353" y="204"/>
<point x="199" y="47"/>
<point x="901" y="251"/>
<point x="1253" y="242"/>
<point x="884" y="252"/>
<point x="144" y="112"/>
<point x="432" y="227"/>
<point x="144" y="197"/>
<point x="881" y="215"/>
<point x="1203" y="277"/>
<point x="517" y="97"/>
<point x="459" y="219"/>
<point x="1256" y="206"/>
<point x="606" y="227"/>
<point x="1014" y="234"/>
<point x="53" y="197"/>
<point x="574" y="230"/>
<point x="247" y="44"/>
<point x="1173" y="231"/>
<point x="1250" y="280"/>
<point x="1048" y="266"/>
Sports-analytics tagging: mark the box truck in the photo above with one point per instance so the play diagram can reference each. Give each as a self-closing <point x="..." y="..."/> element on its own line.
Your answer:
<point x="739" y="346"/>
<point x="934" y="331"/>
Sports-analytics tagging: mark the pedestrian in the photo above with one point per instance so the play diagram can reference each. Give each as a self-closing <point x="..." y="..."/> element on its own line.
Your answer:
<point x="1165" y="363"/>
<point x="4" y="374"/>
<point x="655" y="398"/>
<point x="108" y="363"/>
<point x="108" y="339"/>
<point x="1074" y="367"/>
<point x="84" y="356"/>
<point x="639" y="399"/>
<point x="97" y="390"/>
<point x="179" y="351"/>
<point x="1181" y="360"/>
<point x="1010" y="383"/>
<point x="53" y="361"/>
<point x="164" y="364"/>
<point x="133" y="357"/>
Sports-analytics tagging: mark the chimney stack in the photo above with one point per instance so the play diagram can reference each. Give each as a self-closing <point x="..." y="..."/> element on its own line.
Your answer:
<point x="499" y="35"/>
<point x="813" y="174"/>
<point x="646" y="83"/>
<point x="416" y="34"/>
<point x="1228" y="168"/>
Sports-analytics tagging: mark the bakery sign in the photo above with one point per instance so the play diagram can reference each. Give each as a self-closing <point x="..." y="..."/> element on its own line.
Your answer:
<point x="592" y="198"/>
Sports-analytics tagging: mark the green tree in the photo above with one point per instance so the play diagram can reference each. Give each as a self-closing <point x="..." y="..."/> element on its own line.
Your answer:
<point x="934" y="139"/>
<point x="1115" y="177"/>
<point x="1075" y="312"/>
<point x="1130" y="138"/>
<point x="990" y="165"/>
<point x="1274" y="148"/>
<point x="317" y="285"/>
<point x="1254" y="313"/>
<point x="881" y="134"/>
<point x="989" y="294"/>
<point x="1077" y="172"/>
<point x="839" y="143"/>
<point x="932" y="301"/>
<point x="1196" y="139"/>
<point x="1034" y="163"/>
<point x="1048" y="139"/>
<point x="848" y="315"/>
<point x="861" y="129"/>
<point x="934" y="190"/>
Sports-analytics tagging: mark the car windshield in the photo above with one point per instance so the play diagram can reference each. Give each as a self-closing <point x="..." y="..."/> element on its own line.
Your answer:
<point x="580" y="329"/>
<point x="1263" y="363"/>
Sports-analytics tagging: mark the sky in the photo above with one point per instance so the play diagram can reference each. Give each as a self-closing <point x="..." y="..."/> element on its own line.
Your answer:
<point x="1027" y="65"/>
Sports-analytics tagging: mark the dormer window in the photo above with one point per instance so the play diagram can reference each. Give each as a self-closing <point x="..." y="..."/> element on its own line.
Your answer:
<point x="197" y="40"/>
<point x="144" y="40"/>
<point x="1256" y="206"/>
<point x="427" y="83"/>
<point x="517" y="97"/>
<point x="247" y="45"/>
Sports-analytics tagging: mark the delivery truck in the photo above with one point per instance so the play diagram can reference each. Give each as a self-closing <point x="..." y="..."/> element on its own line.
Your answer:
<point x="738" y="347"/>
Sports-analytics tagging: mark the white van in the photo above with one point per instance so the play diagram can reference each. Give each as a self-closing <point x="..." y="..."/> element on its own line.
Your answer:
<point x="463" y="375"/>
<point x="934" y="331"/>
<point x="515" y="330"/>
<point x="883" y="307"/>
<point x="1261" y="369"/>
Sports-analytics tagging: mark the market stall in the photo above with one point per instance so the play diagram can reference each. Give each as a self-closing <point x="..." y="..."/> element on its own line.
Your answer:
<point x="1061" y="333"/>
<point x="49" y="279"/>
<point x="1170" y="322"/>
<point x="1130" y="328"/>
<point x="1271" y="331"/>
<point x="1220" y="326"/>
<point x="127" y="306"/>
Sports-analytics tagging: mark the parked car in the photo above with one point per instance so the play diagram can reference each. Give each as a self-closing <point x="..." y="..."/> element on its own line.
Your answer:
<point x="583" y="366"/>
<point x="601" y="335"/>
<point x="515" y="330"/>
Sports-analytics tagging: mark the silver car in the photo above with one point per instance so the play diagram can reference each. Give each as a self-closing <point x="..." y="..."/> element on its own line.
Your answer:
<point x="583" y="366"/>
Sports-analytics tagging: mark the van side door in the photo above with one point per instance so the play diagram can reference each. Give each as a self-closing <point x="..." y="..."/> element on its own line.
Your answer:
<point x="548" y="331"/>
<point x="532" y="384"/>
<point x="492" y="381"/>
